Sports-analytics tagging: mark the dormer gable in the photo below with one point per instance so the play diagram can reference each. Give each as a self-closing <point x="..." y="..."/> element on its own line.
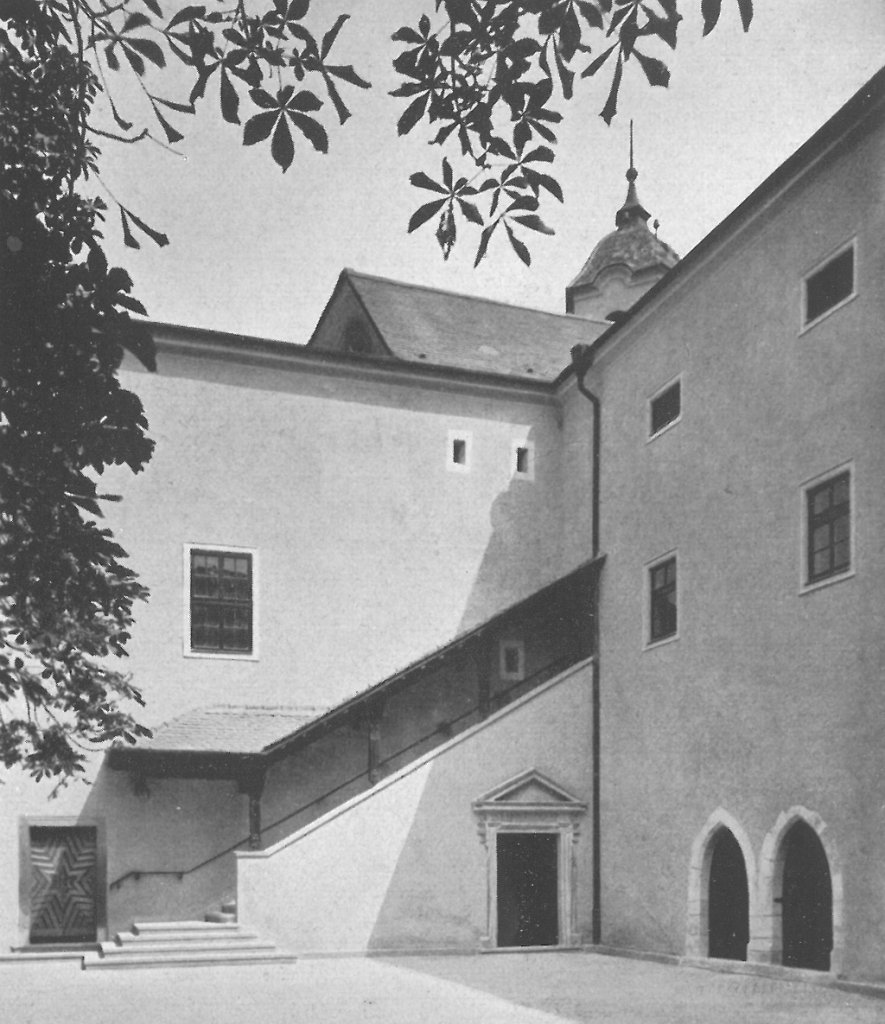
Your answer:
<point x="346" y="326"/>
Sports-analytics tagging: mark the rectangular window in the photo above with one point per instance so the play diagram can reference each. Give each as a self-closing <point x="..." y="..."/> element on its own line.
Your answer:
<point x="666" y="408"/>
<point x="458" y="452"/>
<point x="662" y="589"/>
<point x="829" y="528"/>
<point x="522" y="459"/>
<point x="512" y="660"/>
<point x="220" y="602"/>
<point x="829" y="286"/>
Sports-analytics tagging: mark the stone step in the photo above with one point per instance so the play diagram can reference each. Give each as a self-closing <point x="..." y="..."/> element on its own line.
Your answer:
<point x="183" y="944"/>
<point x="221" y="917"/>
<point x="172" y="934"/>
<point x="94" y="961"/>
<point x="125" y="948"/>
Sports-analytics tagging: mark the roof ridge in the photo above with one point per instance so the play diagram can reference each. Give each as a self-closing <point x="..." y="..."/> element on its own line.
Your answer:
<point x="461" y="295"/>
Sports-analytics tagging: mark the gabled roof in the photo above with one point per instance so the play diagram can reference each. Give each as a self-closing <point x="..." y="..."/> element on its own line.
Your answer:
<point x="416" y="324"/>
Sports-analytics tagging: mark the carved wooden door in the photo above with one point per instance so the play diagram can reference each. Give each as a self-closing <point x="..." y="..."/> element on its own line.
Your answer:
<point x="63" y="884"/>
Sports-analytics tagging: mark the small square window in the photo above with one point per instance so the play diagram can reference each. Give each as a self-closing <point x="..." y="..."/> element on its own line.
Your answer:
<point x="665" y="408"/>
<point x="828" y="528"/>
<point x="220" y="602"/>
<point x="512" y="660"/>
<point x="829" y="286"/>
<point x="663" y="619"/>
<point x="522" y="460"/>
<point x="458" y="456"/>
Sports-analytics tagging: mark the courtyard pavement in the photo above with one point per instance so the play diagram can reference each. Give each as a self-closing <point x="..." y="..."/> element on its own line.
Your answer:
<point x="523" y="988"/>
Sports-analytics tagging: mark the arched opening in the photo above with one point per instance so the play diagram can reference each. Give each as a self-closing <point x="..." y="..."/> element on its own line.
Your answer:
<point x="728" y="904"/>
<point x="806" y="900"/>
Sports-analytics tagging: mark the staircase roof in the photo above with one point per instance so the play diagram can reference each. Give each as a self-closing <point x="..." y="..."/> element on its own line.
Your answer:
<point x="231" y="728"/>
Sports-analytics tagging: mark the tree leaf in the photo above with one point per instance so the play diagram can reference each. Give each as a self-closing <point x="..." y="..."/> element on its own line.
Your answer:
<point x="304" y="100"/>
<point x="346" y="72"/>
<point x="534" y="223"/>
<point x="135" y="20"/>
<point x="150" y="49"/>
<point x="282" y="148"/>
<point x="411" y="115"/>
<point x="111" y="57"/>
<point x="611" y="104"/>
<point x="595" y="65"/>
<point x="710" y="11"/>
<point x="484" y="242"/>
<point x="230" y="101"/>
<point x="154" y="7"/>
<point x="186" y="14"/>
<point x="330" y="37"/>
<point x="259" y="127"/>
<point x="128" y="238"/>
<point x="518" y="247"/>
<point x="470" y="212"/>
<point x="157" y="236"/>
<point x="172" y="134"/>
<point x="263" y="99"/>
<point x="420" y="180"/>
<point x="134" y="58"/>
<point x="424" y="213"/>
<point x="656" y="71"/>
<point x="407" y="35"/>
<point x="746" y="9"/>
<point x="312" y="130"/>
<point x="182" y="108"/>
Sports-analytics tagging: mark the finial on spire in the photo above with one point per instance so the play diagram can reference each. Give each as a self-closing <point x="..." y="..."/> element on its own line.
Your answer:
<point x="632" y="208"/>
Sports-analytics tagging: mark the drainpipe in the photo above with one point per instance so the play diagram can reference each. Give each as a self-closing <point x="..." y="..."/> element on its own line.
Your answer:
<point x="582" y="360"/>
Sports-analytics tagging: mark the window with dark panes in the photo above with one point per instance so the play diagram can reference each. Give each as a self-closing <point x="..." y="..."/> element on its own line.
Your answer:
<point x="666" y="407"/>
<point x="829" y="528"/>
<point x="662" y="579"/>
<point x="221" y="601"/>
<point x="830" y="285"/>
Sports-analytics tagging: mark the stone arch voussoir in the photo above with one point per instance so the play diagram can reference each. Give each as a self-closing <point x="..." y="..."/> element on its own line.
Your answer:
<point x="697" y="923"/>
<point x="766" y="943"/>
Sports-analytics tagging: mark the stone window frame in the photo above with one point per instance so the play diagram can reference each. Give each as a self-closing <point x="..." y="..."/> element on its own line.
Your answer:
<point x="806" y="585"/>
<point x="697" y="926"/>
<point x="834" y="254"/>
<point x="498" y="812"/>
<point x="25" y="824"/>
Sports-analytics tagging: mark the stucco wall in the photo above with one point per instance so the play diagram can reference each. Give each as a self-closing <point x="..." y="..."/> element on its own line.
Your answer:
<point x="403" y="866"/>
<point x="370" y="551"/>
<point x="769" y="698"/>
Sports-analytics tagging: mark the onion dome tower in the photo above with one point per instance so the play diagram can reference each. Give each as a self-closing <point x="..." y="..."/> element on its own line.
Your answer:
<point x="624" y="264"/>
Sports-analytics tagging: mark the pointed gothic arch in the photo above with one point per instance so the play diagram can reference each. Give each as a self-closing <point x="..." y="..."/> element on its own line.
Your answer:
<point x="766" y="944"/>
<point x="697" y="915"/>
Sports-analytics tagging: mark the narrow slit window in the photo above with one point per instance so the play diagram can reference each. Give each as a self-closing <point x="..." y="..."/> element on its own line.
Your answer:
<point x="522" y="460"/>
<point x="831" y="285"/>
<point x="459" y="451"/>
<point x="666" y="408"/>
<point x="662" y="587"/>
<point x="829" y="528"/>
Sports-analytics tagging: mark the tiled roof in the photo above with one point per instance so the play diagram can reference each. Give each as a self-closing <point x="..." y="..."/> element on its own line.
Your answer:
<point x="632" y="246"/>
<point x="227" y="728"/>
<point x="426" y="325"/>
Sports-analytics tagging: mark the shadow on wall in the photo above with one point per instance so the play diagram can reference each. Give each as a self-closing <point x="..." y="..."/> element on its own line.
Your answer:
<point x="522" y="553"/>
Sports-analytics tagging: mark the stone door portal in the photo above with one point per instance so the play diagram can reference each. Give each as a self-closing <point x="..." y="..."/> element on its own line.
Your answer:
<point x="728" y="907"/>
<point x="528" y="889"/>
<point x="63" y="884"/>
<point x="807" y="901"/>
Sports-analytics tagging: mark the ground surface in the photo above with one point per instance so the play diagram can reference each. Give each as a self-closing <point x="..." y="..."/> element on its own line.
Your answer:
<point x="496" y="989"/>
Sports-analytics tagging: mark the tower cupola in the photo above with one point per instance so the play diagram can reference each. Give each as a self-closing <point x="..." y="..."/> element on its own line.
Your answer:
<point x="624" y="264"/>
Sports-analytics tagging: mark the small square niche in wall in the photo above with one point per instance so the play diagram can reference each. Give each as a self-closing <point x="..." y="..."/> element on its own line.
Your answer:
<point x="523" y="460"/>
<point x="512" y="660"/>
<point x="458" y="453"/>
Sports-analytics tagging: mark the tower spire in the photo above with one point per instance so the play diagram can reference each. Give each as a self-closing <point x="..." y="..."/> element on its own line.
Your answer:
<point x="632" y="210"/>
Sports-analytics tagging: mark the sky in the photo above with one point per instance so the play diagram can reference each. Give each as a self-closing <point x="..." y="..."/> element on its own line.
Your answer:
<point x="254" y="251"/>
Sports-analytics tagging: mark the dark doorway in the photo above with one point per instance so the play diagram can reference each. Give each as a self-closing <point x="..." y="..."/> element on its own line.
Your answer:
<point x="528" y="889"/>
<point x="806" y="901"/>
<point x="728" y="908"/>
<point x="63" y="885"/>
